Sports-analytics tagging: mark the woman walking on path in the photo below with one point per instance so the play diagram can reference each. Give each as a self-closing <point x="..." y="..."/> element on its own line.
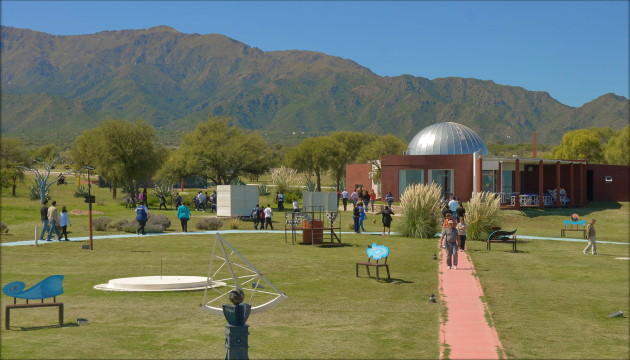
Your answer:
<point x="64" y="221"/>
<point x="450" y="241"/>
<point x="142" y="215"/>
<point x="591" y="233"/>
<point x="183" y="214"/>
<point x="387" y="219"/>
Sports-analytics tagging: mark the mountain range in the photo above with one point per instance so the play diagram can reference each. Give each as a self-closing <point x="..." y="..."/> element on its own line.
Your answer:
<point x="57" y="86"/>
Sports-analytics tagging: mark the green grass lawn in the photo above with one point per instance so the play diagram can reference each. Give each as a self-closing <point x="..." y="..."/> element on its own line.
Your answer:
<point x="548" y="300"/>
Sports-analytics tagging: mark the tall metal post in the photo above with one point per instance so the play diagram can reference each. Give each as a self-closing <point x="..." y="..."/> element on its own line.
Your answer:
<point x="88" y="167"/>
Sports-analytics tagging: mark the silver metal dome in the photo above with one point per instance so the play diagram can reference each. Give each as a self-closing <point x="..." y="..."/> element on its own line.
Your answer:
<point x="446" y="138"/>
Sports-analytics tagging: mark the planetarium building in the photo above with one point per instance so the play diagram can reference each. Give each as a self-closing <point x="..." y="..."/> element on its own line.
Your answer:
<point x="455" y="157"/>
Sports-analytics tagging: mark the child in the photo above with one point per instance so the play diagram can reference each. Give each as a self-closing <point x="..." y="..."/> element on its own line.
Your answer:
<point x="64" y="221"/>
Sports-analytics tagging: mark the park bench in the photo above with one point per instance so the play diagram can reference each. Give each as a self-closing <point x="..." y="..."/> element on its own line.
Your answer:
<point x="570" y="225"/>
<point x="502" y="236"/>
<point x="50" y="287"/>
<point x="375" y="253"/>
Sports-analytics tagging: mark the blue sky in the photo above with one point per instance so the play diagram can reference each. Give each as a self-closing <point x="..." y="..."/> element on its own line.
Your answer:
<point x="575" y="50"/>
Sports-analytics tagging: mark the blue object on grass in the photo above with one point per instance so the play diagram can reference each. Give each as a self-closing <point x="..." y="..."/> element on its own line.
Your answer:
<point x="49" y="287"/>
<point x="377" y="252"/>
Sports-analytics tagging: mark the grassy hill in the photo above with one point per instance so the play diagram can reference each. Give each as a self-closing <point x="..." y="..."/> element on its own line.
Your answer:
<point x="54" y="85"/>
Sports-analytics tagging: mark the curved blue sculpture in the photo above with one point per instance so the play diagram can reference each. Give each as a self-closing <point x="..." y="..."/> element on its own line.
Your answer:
<point x="377" y="252"/>
<point x="49" y="287"/>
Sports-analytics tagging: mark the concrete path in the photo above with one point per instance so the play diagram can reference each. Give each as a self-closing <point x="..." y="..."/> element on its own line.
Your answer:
<point x="466" y="333"/>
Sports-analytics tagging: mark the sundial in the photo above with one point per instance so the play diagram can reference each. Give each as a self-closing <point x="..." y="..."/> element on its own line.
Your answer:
<point x="230" y="269"/>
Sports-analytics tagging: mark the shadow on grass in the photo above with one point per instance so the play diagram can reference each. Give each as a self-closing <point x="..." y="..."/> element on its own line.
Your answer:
<point x="43" y="327"/>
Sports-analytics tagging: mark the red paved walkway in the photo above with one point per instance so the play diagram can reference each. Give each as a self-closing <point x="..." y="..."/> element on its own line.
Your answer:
<point x="466" y="332"/>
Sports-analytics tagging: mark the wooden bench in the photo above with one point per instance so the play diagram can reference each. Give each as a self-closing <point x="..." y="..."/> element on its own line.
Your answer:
<point x="50" y="287"/>
<point x="570" y="225"/>
<point x="502" y="236"/>
<point x="375" y="254"/>
<point x="7" y="316"/>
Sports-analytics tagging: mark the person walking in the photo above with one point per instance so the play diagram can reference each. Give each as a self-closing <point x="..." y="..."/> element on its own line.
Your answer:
<point x="256" y="217"/>
<point x="362" y="215"/>
<point x="461" y="231"/>
<point x="344" y="199"/>
<point x="372" y="199"/>
<point x="387" y="219"/>
<point x="461" y="212"/>
<point x="450" y="241"/>
<point x="268" y="214"/>
<point x="296" y="206"/>
<point x="356" y="214"/>
<point x="142" y="215"/>
<point x="64" y="221"/>
<point x="43" y="212"/>
<point x="453" y="204"/>
<point x="354" y="197"/>
<point x="53" y="220"/>
<point x="591" y="234"/>
<point x="183" y="214"/>
<point x="162" y="202"/>
<point x="389" y="199"/>
<point x="178" y="201"/>
<point x="366" y="200"/>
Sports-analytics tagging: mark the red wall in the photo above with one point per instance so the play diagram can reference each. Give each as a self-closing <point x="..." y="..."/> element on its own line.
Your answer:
<point x="358" y="174"/>
<point x="618" y="190"/>
<point x="461" y="164"/>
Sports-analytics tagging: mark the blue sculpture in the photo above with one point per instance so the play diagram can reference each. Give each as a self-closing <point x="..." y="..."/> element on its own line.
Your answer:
<point x="49" y="287"/>
<point x="377" y="252"/>
<point x="576" y="223"/>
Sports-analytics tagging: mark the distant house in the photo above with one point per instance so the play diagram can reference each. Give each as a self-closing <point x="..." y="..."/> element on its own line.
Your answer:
<point x="454" y="156"/>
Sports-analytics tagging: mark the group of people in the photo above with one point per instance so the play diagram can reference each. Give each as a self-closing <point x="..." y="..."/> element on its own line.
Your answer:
<point x="204" y="201"/>
<point x="363" y="196"/>
<point x="359" y="215"/>
<point x="262" y="217"/>
<point x="52" y="221"/>
<point x="454" y="226"/>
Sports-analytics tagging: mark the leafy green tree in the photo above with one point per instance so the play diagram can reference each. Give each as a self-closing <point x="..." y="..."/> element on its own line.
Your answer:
<point x="121" y="152"/>
<point x="617" y="150"/>
<point x="46" y="153"/>
<point x="13" y="158"/>
<point x="345" y="148"/>
<point x="313" y="155"/>
<point x="223" y="153"/>
<point x="580" y="144"/>
<point x="383" y="145"/>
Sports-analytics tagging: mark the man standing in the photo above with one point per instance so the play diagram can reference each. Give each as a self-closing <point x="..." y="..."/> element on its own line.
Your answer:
<point x="44" y="216"/>
<point x="354" y="197"/>
<point x="590" y="233"/>
<point x="256" y="217"/>
<point x="142" y="215"/>
<point x="344" y="199"/>
<point x="53" y="220"/>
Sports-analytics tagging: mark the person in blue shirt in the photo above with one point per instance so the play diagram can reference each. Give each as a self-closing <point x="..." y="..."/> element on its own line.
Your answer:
<point x="183" y="214"/>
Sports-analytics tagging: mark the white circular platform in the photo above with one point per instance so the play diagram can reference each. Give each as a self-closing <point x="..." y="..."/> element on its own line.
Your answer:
<point x="157" y="283"/>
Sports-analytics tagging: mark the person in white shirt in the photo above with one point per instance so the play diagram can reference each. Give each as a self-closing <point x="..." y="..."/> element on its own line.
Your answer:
<point x="268" y="214"/>
<point x="296" y="207"/>
<point x="344" y="199"/>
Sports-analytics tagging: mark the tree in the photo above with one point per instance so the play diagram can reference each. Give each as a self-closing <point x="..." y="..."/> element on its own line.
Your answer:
<point x="617" y="150"/>
<point x="42" y="176"/>
<point x="313" y="155"/>
<point x="224" y="153"/>
<point x="13" y="158"/>
<point x="381" y="146"/>
<point x="580" y="144"/>
<point x="347" y="146"/>
<point x="120" y="151"/>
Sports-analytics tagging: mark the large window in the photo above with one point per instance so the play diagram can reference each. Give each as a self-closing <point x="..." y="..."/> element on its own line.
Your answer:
<point x="488" y="181"/>
<point x="507" y="181"/>
<point x="409" y="177"/>
<point x="444" y="178"/>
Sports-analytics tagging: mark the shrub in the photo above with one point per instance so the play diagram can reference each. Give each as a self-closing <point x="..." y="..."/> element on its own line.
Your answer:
<point x="160" y="220"/>
<point x="311" y="186"/>
<point x="101" y="223"/>
<point x="3" y="227"/>
<point x="263" y="190"/>
<point x="121" y="224"/>
<point x="153" y="229"/>
<point x="285" y="179"/>
<point x="209" y="224"/>
<point x="420" y="206"/>
<point x="233" y="223"/>
<point x="81" y="191"/>
<point x="483" y="212"/>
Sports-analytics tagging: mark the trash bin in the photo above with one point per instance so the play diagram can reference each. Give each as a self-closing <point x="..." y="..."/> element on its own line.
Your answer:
<point x="312" y="232"/>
